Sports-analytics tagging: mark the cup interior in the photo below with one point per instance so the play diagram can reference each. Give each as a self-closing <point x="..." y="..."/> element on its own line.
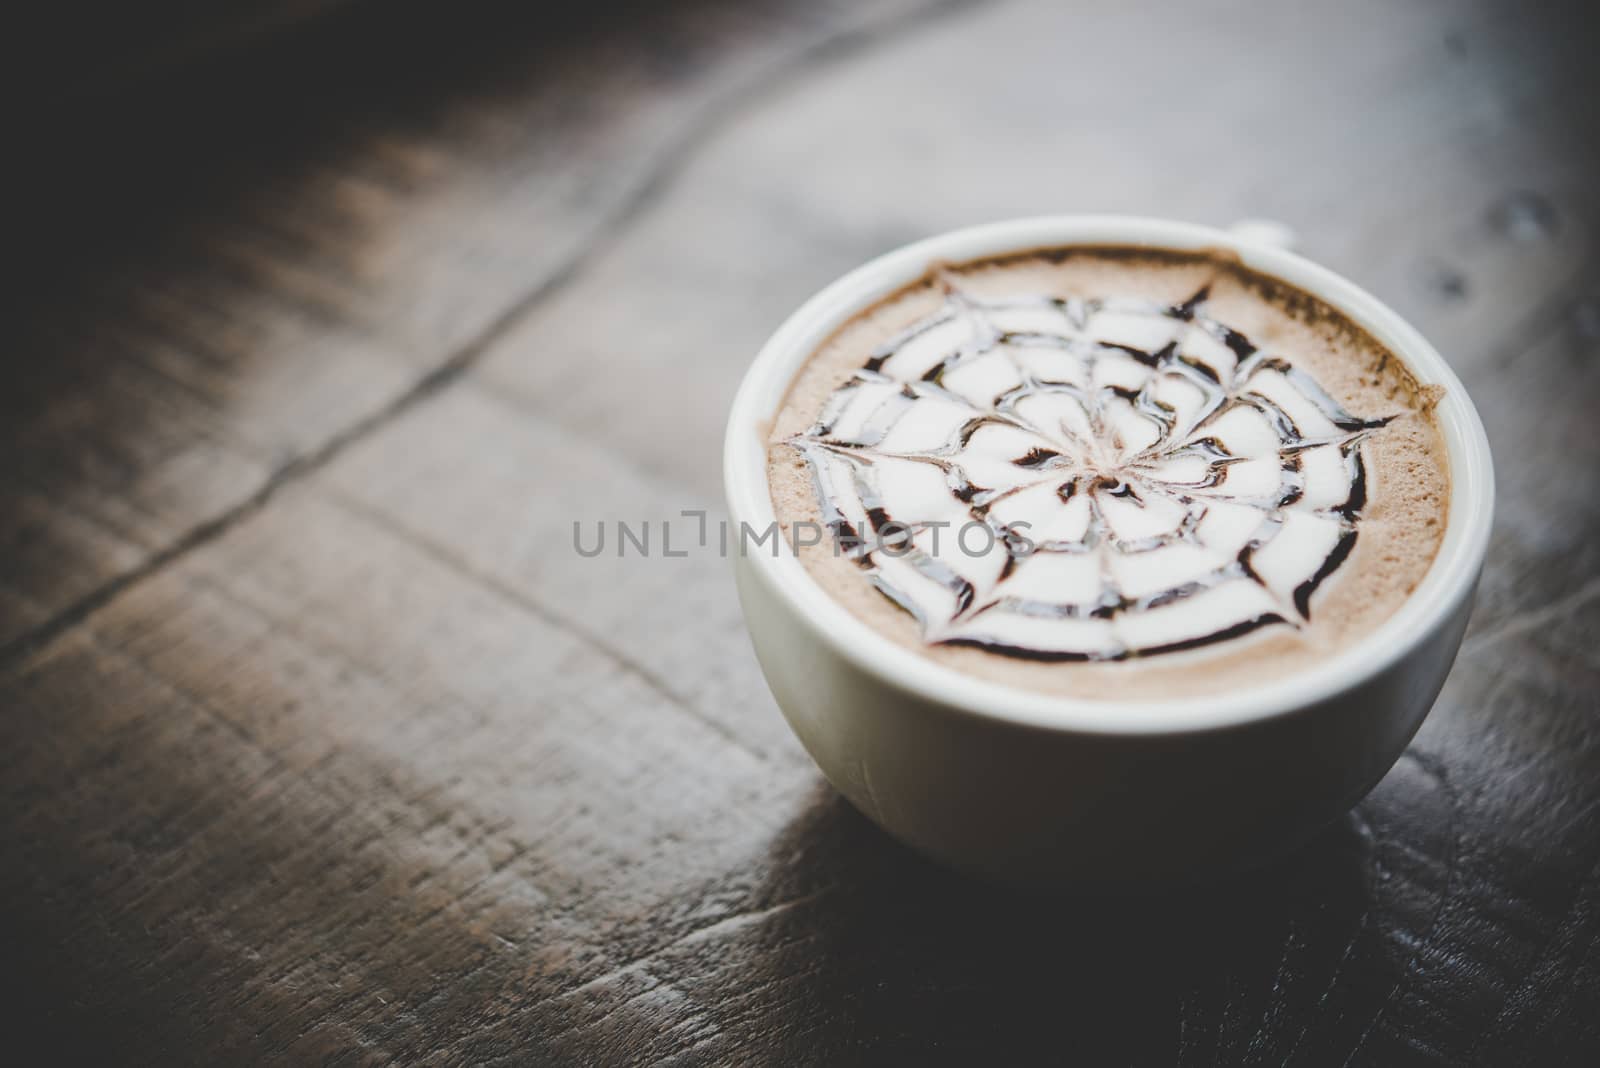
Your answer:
<point x="1450" y="578"/>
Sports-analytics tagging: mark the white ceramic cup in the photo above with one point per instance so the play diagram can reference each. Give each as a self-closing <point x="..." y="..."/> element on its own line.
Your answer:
<point x="1043" y="790"/>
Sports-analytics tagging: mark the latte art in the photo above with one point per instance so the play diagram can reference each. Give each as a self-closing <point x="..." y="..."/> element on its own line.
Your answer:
<point x="1141" y="477"/>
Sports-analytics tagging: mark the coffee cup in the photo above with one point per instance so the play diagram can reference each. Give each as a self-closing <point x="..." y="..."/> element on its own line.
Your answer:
<point x="1048" y="790"/>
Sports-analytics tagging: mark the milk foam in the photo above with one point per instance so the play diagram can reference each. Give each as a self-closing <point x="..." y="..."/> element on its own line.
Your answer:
<point x="1087" y="479"/>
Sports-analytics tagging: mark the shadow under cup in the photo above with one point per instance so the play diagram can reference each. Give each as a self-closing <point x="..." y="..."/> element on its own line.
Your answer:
<point x="1043" y="790"/>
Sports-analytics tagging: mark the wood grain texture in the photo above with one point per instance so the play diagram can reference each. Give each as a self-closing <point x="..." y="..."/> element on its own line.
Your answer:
<point x="318" y="742"/>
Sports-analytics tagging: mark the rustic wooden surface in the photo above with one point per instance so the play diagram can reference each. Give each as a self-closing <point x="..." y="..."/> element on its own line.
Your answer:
<point x="318" y="741"/>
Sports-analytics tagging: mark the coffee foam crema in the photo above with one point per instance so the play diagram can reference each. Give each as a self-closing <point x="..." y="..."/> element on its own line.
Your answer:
<point x="1087" y="479"/>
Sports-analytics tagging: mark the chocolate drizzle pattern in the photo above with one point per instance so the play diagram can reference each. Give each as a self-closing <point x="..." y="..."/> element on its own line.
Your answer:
<point x="1086" y="479"/>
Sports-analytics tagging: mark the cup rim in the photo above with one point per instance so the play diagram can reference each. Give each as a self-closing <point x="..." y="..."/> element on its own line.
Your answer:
<point x="1449" y="579"/>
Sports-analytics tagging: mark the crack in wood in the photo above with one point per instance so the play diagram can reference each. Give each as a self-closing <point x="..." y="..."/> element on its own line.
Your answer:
<point x="1534" y="618"/>
<point x="733" y="101"/>
<point x="1432" y="767"/>
<point x="441" y="555"/>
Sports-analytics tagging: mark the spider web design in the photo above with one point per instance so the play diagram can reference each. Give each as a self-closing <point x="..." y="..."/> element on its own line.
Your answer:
<point x="1084" y="479"/>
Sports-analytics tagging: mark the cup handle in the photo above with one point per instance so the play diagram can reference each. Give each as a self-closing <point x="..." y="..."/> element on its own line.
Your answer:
<point x="1265" y="232"/>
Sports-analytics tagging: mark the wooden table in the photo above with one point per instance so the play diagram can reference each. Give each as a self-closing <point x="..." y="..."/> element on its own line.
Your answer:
<point x="319" y="742"/>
